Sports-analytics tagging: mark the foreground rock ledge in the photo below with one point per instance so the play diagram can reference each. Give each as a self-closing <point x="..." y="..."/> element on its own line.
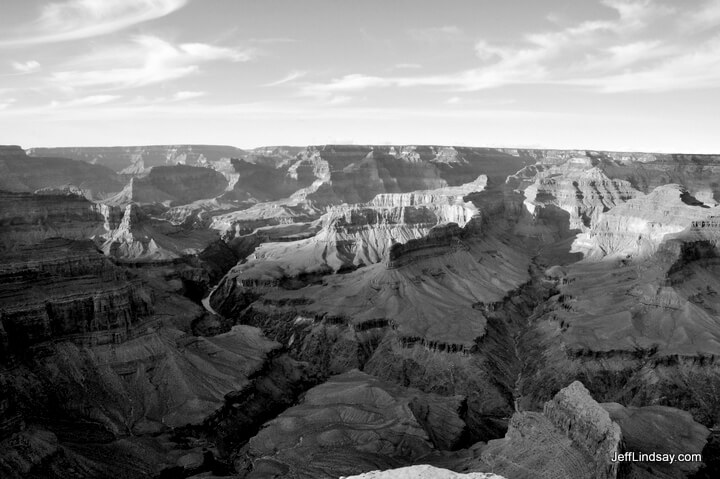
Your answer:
<point x="422" y="472"/>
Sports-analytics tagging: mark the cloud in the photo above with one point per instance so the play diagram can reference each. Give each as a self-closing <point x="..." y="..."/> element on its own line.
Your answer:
<point x="706" y="17"/>
<point x="26" y="67"/>
<point x="151" y="60"/>
<point x="688" y="70"/>
<point x="187" y="95"/>
<point x="205" y="52"/>
<point x="606" y="55"/>
<point x="6" y="102"/>
<point x="85" y="101"/>
<point x="77" y="19"/>
<point x="290" y="77"/>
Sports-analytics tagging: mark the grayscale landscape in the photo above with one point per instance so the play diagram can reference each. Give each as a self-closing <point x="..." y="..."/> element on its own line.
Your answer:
<point x="511" y="305"/>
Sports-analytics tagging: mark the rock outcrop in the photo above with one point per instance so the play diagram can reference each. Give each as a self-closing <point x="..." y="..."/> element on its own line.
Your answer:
<point x="352" y="423"/>
<point x="573" y="437"/>
<point x="422" y="472"/>
<point x="141" y="238"/>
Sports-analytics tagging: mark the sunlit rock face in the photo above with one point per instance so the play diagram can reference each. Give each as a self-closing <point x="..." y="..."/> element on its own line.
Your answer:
<point x="353" y="235"/>
<point x="579" y="188"/>
<point x="637" y="228"/>
<point x="423" y="472"/>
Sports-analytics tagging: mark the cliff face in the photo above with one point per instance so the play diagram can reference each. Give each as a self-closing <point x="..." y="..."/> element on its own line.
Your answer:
<point x="21" y="173"/>
<point x="578" y="187"/>
<point x="172" y="185"/>
<point x="30" y="218"/>
<point x="139" y="159"/>
<point x="573" y="437"/>
<point x="588" y="425"/>
<point x="363" y="234"/>
<point x="61" y="288"/>
<point x="638" y="227"/>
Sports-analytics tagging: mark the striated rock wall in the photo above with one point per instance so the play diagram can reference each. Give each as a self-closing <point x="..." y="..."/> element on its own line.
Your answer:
<point x="638" y="227"/>
<point x="139" y="159"/>
<point x="576" y="414"/>
<point x="30" y="218"/>
<point x="62" y="288"/>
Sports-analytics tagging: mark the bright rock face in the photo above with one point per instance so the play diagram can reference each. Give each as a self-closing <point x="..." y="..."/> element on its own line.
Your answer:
<point x="423" y="472"/>
<point x="638" y="227"/>
<point x="579" y="188"/>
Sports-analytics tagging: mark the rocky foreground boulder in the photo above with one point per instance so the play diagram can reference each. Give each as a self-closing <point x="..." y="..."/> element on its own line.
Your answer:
<point x="423" y="472"/>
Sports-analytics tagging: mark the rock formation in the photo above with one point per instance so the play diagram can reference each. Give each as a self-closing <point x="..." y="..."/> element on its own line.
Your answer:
<point x="172" y="185"/>
<point x="139" y="159"/>
<point x="352" y="423"/>
<point x="422" y="472"/>
<point x="155" y="333"/>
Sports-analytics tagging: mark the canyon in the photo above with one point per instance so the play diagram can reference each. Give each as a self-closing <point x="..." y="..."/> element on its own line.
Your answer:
<point x="357" y="311"/>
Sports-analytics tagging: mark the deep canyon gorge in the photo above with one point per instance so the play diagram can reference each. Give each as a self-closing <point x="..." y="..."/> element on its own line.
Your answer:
<point x="327" y="311"/>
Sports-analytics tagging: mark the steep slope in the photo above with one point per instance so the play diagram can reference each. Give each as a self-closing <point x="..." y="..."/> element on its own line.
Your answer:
<point x="353" y="423"/>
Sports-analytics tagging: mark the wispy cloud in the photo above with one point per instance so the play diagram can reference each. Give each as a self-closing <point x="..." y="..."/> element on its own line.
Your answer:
<point x="705" y="17"/>
<point x="150" y="60"/>
<point x="85" y="101"/>
<point x="26" y="67"/>
<point x="607" y="55"/>
<point x="188" y="95"/>
<point x="290" y="77"/>
<point x="77" y="19"/>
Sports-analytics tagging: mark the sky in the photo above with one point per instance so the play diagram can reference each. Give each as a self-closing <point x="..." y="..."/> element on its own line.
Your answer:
<point x="629" y="75"/>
